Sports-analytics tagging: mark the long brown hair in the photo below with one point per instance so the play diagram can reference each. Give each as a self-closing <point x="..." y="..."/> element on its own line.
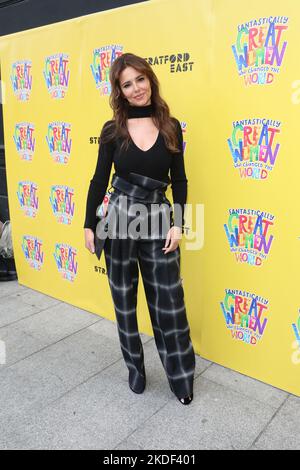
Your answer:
<point x="161" y="112"/>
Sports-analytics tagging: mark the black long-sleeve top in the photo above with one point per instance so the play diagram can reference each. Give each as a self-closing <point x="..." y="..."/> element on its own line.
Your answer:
<point x="157" y="162"/>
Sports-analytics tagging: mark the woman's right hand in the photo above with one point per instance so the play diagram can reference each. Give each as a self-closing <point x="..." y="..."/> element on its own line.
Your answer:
<point x="89" y="240"/>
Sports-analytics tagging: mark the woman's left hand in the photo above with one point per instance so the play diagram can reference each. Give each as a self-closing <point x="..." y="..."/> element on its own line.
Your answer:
<point x="173" y="237"/>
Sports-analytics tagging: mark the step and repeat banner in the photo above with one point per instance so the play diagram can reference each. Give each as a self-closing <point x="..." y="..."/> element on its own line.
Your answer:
<point x="229" y="71"/>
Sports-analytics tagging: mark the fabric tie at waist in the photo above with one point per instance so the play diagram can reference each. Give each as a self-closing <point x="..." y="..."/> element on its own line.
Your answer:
<point x="138" y="189"/>
<point x="141" y="187"/>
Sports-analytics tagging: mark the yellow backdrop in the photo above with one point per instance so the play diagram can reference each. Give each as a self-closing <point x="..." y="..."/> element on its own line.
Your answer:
<point x="229" y="71"/>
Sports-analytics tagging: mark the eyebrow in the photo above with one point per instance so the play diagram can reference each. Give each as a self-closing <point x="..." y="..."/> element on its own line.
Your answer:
<point x="128" y="81"/>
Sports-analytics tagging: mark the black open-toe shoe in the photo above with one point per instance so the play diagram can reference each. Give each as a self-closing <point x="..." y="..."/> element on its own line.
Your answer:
<point x="140" y="384"/>
<point x="186" y="400"/>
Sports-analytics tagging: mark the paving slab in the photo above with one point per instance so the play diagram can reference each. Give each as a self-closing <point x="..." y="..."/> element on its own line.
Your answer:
<point x="75" y="358"/>
<point x="64" y="385"/>
<point x="246" y="385"/>
<point x="37" y="331"/>
<point x="22" y="304"/>
<point x="37" y="299"/>
<point x="70" y="361"/>
<point x="102" y="407"/>
<point x="218" y="418"/>
<point x="10" y="287"/>
<point x="25" y="387"/>
<point x="283" y="432"/>
<point x="51" y="324"/>
<point x="19" y="344"/>
<point x="13" y="309"/>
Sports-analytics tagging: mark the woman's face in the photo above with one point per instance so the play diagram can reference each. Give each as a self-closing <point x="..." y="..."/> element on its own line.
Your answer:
<point x="135" y="87"/>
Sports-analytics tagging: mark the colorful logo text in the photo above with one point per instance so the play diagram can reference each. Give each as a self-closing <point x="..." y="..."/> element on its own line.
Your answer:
<point x="59" y="141"/>
<point x="248" y="235"/>
<point x="103" y="57"/>
<point x="57" y="74"/>
<point x="244" y="315"/>
<point x="21" y="79"/>
<point x="32" y="249"/>
<point x="260" y="48"/>
<point x="254" y="148"/>
<point x="27" y="195"/>
<point x="65" y="258"/>
<point x="24" y="140"/>
<point x="61" y="199"/>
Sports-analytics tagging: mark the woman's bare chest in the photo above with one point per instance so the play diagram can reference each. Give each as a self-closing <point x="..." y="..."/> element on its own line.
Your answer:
<point x="143" y="134"/>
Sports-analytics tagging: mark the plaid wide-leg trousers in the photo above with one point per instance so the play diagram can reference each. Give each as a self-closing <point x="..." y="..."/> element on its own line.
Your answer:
<point x="165" y="298"/>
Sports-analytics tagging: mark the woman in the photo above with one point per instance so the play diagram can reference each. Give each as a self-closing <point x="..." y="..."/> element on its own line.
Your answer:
<point x="144" y="143"/>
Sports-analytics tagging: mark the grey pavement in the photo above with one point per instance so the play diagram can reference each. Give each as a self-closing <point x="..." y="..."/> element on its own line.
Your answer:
<point x="64" y="385"/>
